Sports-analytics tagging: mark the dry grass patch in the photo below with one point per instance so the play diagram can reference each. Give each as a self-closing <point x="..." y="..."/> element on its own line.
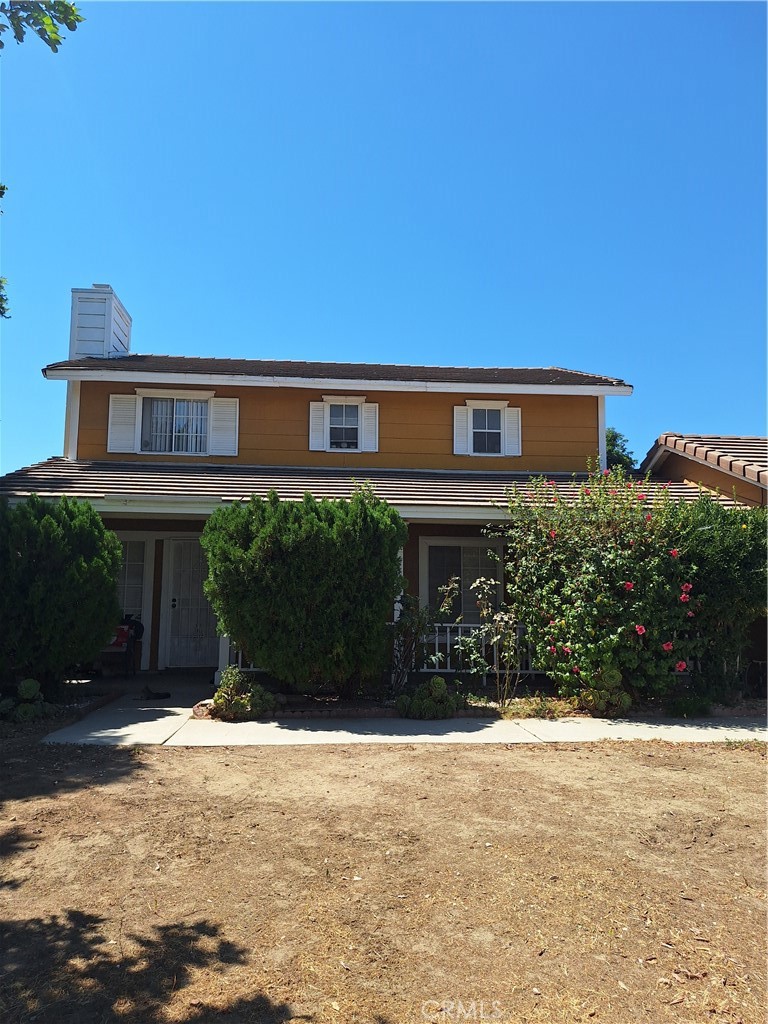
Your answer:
<point x="611" y="882"/>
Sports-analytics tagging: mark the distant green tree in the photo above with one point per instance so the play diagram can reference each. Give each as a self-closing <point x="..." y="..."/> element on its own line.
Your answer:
<point x="44" y="19"/>
<point x="617" y="450"/>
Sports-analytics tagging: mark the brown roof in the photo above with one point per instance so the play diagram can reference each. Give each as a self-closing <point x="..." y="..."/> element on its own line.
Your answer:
<point x="745" y="457"/>
<point x="542" y="375"/>
<point x="214" y="482"/>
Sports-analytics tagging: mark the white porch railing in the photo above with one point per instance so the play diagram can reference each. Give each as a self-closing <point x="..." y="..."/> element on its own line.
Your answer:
<point x="438" y="649"/>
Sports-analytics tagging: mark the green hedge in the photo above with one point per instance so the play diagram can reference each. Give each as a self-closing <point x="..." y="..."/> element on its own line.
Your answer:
<point x="58" y="598"/>
<point x="306" y="588"/>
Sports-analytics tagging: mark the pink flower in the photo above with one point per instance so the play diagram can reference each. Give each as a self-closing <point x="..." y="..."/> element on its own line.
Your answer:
<point x="567" y="650"/>
<point x="587" y="490"/>
<point x="684" y="598"/>
<point x="552" y="534"/>
<point x="552" y="650"/>
<point x="613" y="492"/>
<point x="551" y="622"/>
<point x="606" y="472"/>
<point x="668" y="646"/>
<point x="551" y="483"/>
<point x="629" y="586"/>
<point x="639" y="630"/>
<point x="631" y="543"/>
<point x="641" y="497"/>
<point x="691" y="615"/>
<point x="680" y="666"/>
<point x="687" y="588"/>
<point x="674" y="552"/>
<point x="630" y="485"/>
<point x="576" y="670"/>
<point x="648" y="518"/>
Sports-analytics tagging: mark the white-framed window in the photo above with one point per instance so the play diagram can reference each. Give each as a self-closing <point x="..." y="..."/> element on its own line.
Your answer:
<point x="343" y="423"/>
<point x="168" y="422"/>
<point x="468" y="558"/>
<point x="486" y="428"/>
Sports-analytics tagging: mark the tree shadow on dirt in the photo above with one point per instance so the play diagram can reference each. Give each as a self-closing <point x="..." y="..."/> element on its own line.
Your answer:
<point x="67" y="970"/>
<point x="29" y="768"/>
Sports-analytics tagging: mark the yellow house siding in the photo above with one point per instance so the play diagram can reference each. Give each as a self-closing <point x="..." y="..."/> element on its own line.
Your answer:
<point x="677" y="467"/>
<point x="559" y="433"/>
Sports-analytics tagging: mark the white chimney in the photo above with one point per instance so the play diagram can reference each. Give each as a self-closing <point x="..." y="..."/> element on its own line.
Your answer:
<point x="100" y="326"/>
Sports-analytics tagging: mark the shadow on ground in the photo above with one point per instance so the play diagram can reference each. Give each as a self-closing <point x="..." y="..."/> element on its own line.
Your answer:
<point x="67" y="970"/>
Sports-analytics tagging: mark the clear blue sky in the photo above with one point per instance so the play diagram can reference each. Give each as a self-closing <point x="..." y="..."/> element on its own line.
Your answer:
<point x="580" y="185"/>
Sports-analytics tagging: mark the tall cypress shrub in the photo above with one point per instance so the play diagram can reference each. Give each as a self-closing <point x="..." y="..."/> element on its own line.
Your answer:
<point x="306" y="588"/>
<point x="58" y="595"/>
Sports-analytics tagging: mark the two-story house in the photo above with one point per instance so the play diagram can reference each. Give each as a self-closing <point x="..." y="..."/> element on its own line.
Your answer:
<point x="156" y="443"/>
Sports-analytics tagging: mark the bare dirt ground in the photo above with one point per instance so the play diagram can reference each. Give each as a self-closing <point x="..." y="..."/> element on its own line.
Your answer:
<point x="609" y="882"/>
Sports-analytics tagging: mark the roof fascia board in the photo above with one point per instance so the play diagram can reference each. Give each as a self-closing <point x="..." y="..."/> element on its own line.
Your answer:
<point x="701" y="460"/>
<point x="320" y="383"/>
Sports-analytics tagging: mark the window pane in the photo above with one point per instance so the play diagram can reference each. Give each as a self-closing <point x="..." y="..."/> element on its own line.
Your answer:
<point x="337" y="415"/>
<point x="130" y="582"/>
<point x="350" y="415"/>
<point x="493" y="442"/>
<point x="157" y="425"/>
<point x="493" y="418"/>
<point x="478" y="419"/>
<point x="479" y="442"/>
<point x="444" y="563"/>
<point x="190" y="433"/>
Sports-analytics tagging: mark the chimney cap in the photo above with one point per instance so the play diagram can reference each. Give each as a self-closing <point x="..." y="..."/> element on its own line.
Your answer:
<point x="107" y="287"/>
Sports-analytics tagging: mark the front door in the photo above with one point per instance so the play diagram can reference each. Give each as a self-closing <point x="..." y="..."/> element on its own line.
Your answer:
<point x="192" y="640"/>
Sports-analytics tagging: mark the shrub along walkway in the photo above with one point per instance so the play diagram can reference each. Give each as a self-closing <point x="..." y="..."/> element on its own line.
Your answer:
<point x="133" y="720"/>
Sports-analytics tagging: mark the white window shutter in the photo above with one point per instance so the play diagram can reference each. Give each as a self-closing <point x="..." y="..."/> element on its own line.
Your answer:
<point x="121" y="432"/>
<point x="317" y="426"/>
<point x="512" y="434"/>
<point x="369" y="441"/>
<point x="460" y="430"/>
<point x="222" y="427"/>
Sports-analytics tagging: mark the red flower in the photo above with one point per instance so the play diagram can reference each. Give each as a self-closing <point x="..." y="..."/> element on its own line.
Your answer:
<point x="630" y="485"/>
<point x="680" y="666"/>
<point x="606" y="472"/>
<point x="641" y="497"/>
<point x="567" y="650"/>
<point x="552" y="534"/>
<point x="648" y="518"/>
<point x="629" y="586"/>
<point x="690" y="615"/>
<point x="587" y="490"/>
<point x="576" y="670"/>
<point x="687" y="588"/>
<point x="631" y="543"/>
<point x="674" y="552"/>
<point x="613" y="492"/>
<point x="684" y="598"/>
<point x="668" y="646"/>
<point x="552" y="650"/>
<point x="551" y="622"/>
<point x="551" y="483"/>
<point x="639" y="630"/>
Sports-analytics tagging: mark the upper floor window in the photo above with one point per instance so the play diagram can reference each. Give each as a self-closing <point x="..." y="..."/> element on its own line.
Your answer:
<point x="174" y="425"/>
<point x="489" y="427"/>
<point x="166" y="422"/>
<point x="343" y="423"/>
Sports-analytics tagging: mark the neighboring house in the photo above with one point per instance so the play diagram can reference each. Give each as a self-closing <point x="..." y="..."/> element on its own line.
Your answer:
<point x="156" y="443"/>
<point x="734" y="466"/>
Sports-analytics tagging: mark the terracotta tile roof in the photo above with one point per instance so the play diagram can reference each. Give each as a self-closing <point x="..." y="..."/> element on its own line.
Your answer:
<point x="745" y="457"/>
<point x="210" y="484"/>
<point x="542" y="375"/>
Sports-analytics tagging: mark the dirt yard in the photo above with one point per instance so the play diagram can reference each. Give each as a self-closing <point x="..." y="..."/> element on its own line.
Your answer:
<point x="613" y="882"/>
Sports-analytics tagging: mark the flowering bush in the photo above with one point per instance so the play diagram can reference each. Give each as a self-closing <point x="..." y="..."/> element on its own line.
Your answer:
<point x="620" y="600"/>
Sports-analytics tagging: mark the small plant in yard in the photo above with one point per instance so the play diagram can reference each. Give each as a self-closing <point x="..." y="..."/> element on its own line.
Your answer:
<point x="430" y="700"/>
<point x="27" y="705"/>
<point x="239" y="698"/>
<point x="497" y="636"/>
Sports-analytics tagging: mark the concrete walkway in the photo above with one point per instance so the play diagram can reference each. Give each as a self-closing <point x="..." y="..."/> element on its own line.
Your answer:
<point x="130" y="720"/>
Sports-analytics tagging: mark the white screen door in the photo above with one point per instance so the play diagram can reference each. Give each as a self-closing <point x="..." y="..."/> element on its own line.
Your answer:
<point x="192" y="640"/>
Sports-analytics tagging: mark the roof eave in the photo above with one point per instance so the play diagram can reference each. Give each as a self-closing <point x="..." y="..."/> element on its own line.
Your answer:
<point x="340" y="383"/>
